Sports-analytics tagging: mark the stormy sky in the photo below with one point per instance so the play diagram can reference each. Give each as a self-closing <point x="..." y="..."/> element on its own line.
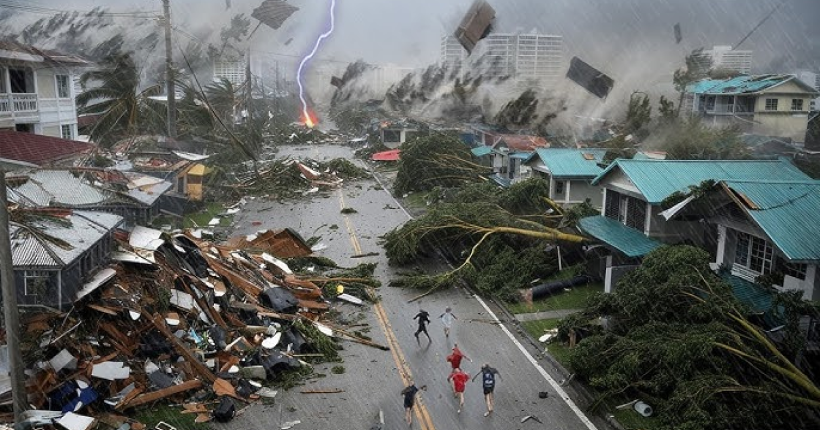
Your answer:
<point x="407" y="32"/>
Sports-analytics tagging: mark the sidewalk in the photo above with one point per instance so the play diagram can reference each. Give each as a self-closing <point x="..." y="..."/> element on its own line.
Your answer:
<point x="559" y="313"/>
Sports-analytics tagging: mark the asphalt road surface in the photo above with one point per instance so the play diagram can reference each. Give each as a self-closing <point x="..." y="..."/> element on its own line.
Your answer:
<point x="373" y="378"/>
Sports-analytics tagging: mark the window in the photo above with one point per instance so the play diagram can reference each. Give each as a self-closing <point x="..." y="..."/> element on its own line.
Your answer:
<point x="797" y="104"/>
<point x="613" y="202"/>
<point x="559" y="188"/>
<point x="795" y="270"/>
<point x="65" y="132"/>
<point x="35" y="284"/>
<point x="710" y="103"/>
<point x="635" y="214"/>
<point x="62" y="86"/>
<point x="771" y="104"/>
<point x="753" y="253"/>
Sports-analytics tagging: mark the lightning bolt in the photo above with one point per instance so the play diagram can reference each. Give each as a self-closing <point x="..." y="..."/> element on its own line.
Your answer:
<point x="308" y="57"/>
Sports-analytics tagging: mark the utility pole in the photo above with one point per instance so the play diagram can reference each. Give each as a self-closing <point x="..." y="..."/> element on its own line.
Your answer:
<point x="10" y="313"/>
<point x="169" y="72"/>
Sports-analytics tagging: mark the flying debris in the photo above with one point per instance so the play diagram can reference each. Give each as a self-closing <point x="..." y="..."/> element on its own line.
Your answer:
<point x="287" y="42"/>
<point x="678" y="36"/>
<point x="227" y="4"/>
<point x="589" y="77"/>
<point x="476" y="25"/>
<point x="274" y="12"/>
<point x="336" y="81"/>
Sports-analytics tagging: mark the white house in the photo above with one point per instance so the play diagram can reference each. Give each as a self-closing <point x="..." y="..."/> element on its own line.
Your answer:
<point x="37" y="90"/>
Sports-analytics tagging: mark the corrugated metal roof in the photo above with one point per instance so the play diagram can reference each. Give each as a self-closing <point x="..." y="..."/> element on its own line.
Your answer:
<point x="572" y="162"/>
<point x="756" y="297"/>
<point x="85" y="230"/>
<point x="150" y="193"/>
<point x="657" y="179"/>
<point x="482" y="151"/>
<point x="62" y="187"/>
<point x="743" y="84"/>
<point x="788" y="212"/>
<point x="625" y="239"/>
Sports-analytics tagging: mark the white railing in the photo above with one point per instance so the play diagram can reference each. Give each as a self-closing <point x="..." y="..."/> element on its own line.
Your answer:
<point x="24" y="102"/>
<point x="5" y="103"/>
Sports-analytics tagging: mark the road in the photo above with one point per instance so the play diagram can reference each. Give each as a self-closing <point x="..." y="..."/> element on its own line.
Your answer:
<point x="373" y="378"/>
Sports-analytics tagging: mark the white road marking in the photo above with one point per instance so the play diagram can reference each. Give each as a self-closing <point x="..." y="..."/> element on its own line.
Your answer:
<point x="557" y="387"/>
<point x="553" y="383"/>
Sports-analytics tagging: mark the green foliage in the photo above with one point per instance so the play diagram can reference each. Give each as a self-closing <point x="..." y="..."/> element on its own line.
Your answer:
<point x="351" y="119"/>
<point x="666" y="108"/>
<point x="435" y="160"/>
<point x="493" y="277"/>
<point x="576" y="212"/>
<point x="319" y="342"/>
<point x="678" y="339"/>
<point x="638" y="113"/>
<point x="344" y="169"/>
<point x="518" y="112"/>
<point x="692" y="140"/>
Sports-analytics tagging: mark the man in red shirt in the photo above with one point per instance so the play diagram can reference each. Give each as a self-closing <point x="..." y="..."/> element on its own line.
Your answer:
<point x="455" y="358"/>
<point x="459" y="380"/>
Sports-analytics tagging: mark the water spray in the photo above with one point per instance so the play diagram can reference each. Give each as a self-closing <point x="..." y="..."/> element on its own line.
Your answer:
<point x="308" y="57"/>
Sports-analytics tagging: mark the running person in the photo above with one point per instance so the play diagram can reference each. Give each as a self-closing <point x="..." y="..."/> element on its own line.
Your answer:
<point x="424" y="319"/>
<point x="448" y="318"/>
<point x="459" y="380"/>
<point x="456" y="356"/>
<point x="409" y="394"/>
<point x="488" y="375"/>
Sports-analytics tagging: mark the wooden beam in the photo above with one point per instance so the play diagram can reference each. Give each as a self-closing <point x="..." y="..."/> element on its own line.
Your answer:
<point x="201" y="369"/>
<point x="165" y="392"/>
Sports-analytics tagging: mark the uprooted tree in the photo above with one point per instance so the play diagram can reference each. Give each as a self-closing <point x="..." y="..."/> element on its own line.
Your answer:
<point x="678" y="339"/>
<point x="498" y="238"/>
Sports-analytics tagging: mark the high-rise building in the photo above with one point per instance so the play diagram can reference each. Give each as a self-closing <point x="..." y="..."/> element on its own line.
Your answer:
<point x="526" y="57"/>
<point x="724" y="57"/>
<point x="231" y="68"/>
<point x="452" y="53"/>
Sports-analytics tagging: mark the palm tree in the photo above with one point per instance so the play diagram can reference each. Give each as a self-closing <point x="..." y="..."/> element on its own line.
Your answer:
<point x="124" y="109"/>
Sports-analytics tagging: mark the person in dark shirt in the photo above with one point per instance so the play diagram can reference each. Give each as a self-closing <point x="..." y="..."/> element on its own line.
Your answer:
<point x="488" y="375"/>
<point x="409" y="393"/>
<point x="424" y="319"/>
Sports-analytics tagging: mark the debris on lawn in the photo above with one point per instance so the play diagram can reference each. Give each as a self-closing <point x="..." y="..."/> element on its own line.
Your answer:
<point x="290" y="178"/>
<point x="188" y="322"/>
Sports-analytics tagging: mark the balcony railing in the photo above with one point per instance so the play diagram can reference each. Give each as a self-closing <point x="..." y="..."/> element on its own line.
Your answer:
<point x="18" y="103"/>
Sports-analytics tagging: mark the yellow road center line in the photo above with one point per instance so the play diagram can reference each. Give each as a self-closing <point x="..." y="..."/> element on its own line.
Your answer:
<point x="422" y="414"/>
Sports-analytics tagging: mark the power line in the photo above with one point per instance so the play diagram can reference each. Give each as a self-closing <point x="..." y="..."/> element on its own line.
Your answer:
<point x="52" y="11"/>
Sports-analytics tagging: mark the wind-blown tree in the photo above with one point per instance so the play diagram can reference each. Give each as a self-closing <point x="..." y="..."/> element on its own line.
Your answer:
<point x="690" y="139"/>
<point x="496" y="236"/>
<point x="123" y="106"/>
<point x="436" y="160"/>
<point x="697" y="67"/>
<point x="678" y="339"/>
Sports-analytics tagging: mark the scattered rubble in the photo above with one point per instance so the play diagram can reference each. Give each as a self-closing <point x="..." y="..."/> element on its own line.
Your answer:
<point x="189" y="322"/>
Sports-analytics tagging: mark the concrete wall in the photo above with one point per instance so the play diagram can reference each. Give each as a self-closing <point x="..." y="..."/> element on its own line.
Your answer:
<point x="784" y="121"/>
<point x="581" y="190"/>
<point x="51" y="130"/>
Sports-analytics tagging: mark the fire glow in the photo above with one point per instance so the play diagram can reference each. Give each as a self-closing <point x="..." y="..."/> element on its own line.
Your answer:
<point x="308" y="117"/>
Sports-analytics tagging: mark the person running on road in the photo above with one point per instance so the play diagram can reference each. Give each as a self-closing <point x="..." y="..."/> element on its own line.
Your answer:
<point x="488" y="383"/>
<point x="455" y="357"/>
<point x="409" y="393"/>
<point x="448" y="318"/>
<point x="459" y="380"/>
<point x="424" y="319"/>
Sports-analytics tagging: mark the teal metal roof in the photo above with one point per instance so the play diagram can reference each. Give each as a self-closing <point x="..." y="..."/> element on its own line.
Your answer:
<point x="481" y="151"/>
<point x="625" y="239"/>
<point x="757" y="298"/>
<point x="788" y="212"/>
<point x="743" y="84"/>
<point x="657" y="179"/>
<point x="572" y="162"/>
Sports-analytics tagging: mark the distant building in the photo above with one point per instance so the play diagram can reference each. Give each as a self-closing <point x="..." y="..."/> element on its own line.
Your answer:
<point x="231" y="68"/>
<point x="725" y="58"/>
<point x="768" y="105"/>
<point x="813" y="79"/>
<point x="452" y="53"/>
<point x="525" y="57"/>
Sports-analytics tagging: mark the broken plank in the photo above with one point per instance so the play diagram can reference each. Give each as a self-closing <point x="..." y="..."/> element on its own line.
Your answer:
<point x="325" y="391"/>
<point x="203" y="371"/>
<point x="165" y="392"/>
<point x="103" y="309"/>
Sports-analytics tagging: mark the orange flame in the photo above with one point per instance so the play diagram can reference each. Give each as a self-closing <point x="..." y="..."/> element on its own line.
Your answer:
<point x="310" y="120"/>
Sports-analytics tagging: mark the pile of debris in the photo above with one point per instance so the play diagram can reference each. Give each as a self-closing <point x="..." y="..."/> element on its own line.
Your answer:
<point x="289" y="178"/>
<point x="183" y="320"/>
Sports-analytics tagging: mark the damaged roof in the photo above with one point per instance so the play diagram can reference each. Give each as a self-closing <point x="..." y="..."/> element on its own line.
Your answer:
<point x="572" y="162"/>
<point x="787" y="211"/>
<point x="82" y="230"/>
<point x="627" y="240"/>
<point x="83" y="188"/>
<point x="745" y="84"/>
<point x="657" y="179"/>
<point x="521" y="142"/>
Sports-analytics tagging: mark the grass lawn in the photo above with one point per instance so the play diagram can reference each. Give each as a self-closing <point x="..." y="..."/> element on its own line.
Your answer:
<point x="204" y="216"/>
<point x="574" y="298"/>
<point x="153" y="415"/>
<point x="555" y="349"/>
<point x="416" y="200"/>
<point x="630" y="419"/>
